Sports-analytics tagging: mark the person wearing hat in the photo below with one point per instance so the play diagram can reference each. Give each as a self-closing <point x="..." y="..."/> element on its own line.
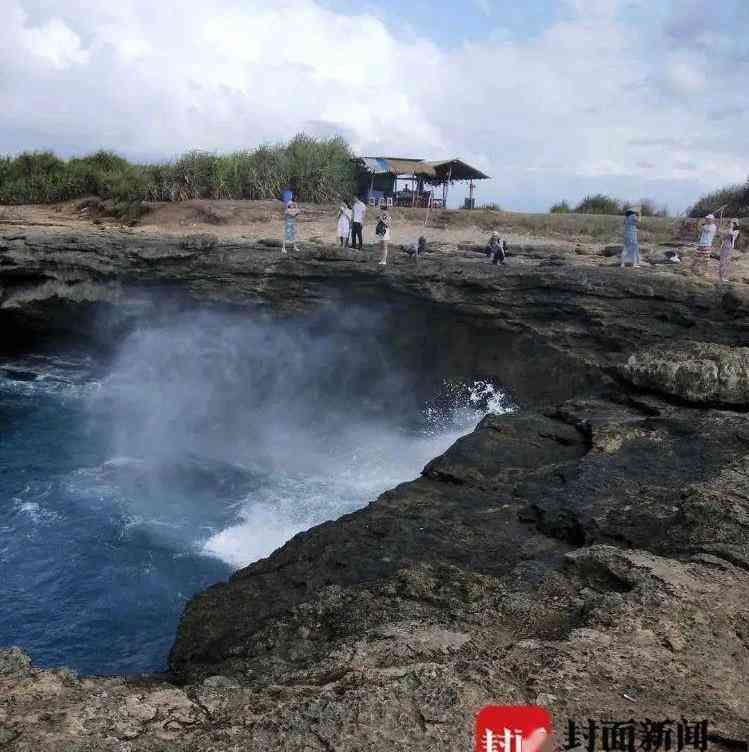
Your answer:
<point x="631" y="249"/>
<point x="708" y="229"/>
<point x="728" y="243"/>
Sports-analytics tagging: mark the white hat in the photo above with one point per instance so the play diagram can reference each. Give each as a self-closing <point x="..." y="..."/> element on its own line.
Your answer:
<point x="710" y="216"/>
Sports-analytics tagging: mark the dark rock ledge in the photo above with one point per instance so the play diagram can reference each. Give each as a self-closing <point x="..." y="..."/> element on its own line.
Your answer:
<point x="588" y="553"/>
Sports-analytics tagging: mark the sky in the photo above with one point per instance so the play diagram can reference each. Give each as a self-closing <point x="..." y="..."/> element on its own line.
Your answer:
<point x="554" y="100"/>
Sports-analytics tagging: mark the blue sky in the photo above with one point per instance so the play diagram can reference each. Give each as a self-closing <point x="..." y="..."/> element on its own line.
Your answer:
<point x="452" y="24"/>
<point x="636" y="98"/>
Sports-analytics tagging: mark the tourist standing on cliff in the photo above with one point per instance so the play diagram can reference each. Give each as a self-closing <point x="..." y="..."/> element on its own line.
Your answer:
<point x="289" y="216"/>
<point x="383" y="231"/>
<point x="727" y="245"/>
<point x="631" y="250"/>
<point x="359" y="211"/>
<point x="344" y="224"/>
<point x="708" y="229"/>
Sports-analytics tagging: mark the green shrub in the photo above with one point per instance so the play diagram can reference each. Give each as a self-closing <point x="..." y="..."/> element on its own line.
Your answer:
<point x="599" y="204"/>
<point x="125" y="187"/>
<point x="735" y="198"/>
<point x="649" y="208"/>
<point x="105" y="161"/>
<point x="129" y="212"/>
<point x="561" y="208"/>
<point x="31" y="164"/>
<point x="317" y="170"/>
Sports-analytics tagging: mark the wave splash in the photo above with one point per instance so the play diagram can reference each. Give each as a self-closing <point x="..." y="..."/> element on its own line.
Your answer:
<point x="377" y="459"/>
<point x="204" y="445"/>
<point x="226" y="437"/>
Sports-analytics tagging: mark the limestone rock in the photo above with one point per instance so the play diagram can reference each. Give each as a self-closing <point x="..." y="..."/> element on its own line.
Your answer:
<point x="697" y="372"/>
<point x="220" y="682"/>
<point x="139" y="710"/>
<point x="612" y="250"/>
<point x="588" y="552"/>
<point x="13" y="661"/>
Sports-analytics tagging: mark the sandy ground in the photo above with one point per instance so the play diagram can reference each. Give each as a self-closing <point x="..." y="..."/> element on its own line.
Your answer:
<point x="260" y="220"/>
<point x="448" y="232"/>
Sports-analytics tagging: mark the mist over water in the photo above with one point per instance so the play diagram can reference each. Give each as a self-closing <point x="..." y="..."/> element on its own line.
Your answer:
<point x="207" y="442"/>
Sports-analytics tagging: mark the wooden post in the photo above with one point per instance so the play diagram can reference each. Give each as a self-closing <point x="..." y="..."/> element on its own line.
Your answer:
<point x="446" y="187"/>
<point x="470" y="193"/>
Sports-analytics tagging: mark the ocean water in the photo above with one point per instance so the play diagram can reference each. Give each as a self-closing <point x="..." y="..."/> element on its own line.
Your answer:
<point x="205" y="443"/>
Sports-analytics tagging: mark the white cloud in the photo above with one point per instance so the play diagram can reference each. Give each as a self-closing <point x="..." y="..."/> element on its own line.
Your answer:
<point x="684" y="74"/>
<point x="54" y="42"/>
<point x="592" y="103"/>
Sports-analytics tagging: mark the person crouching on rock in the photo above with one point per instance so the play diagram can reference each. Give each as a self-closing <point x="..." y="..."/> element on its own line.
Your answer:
<point x="631" y="249"/>
<point x="728" y="243"/>
<point x="495" y="250"/>
<point x="289" y="217"/>
<point x="383" y="231"/>
<point x="708" y="229"/>
<point x="419" y="248"/>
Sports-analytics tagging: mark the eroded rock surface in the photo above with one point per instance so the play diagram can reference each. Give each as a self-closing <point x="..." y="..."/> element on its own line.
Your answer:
<point x="548" y="331"/>
<point x="700" y="372"/>
<point x="586" y="553"/>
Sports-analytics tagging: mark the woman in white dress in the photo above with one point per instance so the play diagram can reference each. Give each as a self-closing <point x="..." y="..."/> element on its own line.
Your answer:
<point x="344" y="224"/>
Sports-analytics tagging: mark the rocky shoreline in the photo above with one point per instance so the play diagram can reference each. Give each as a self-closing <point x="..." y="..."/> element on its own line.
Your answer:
<point x="588" y="553"/>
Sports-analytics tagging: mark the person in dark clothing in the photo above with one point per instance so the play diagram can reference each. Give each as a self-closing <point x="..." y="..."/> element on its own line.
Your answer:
<point x="359" y="212"/>
<point x="496" y="249"/>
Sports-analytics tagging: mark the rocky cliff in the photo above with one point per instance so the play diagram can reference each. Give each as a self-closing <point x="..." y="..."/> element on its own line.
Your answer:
<point x="587" y="553"/>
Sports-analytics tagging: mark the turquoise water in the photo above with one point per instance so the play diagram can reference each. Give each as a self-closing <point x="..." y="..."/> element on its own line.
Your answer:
<point x="126" y="486"/>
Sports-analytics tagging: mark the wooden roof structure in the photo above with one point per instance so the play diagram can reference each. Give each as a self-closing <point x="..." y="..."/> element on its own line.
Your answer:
<point x="452" y="170"/>
<point x="436" y="173"/>
<point x="397" y="166"/>
<point x="442" y="173"/>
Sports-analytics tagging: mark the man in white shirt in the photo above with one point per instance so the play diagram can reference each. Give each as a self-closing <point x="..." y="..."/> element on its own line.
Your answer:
<point x="359" y="211"/>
